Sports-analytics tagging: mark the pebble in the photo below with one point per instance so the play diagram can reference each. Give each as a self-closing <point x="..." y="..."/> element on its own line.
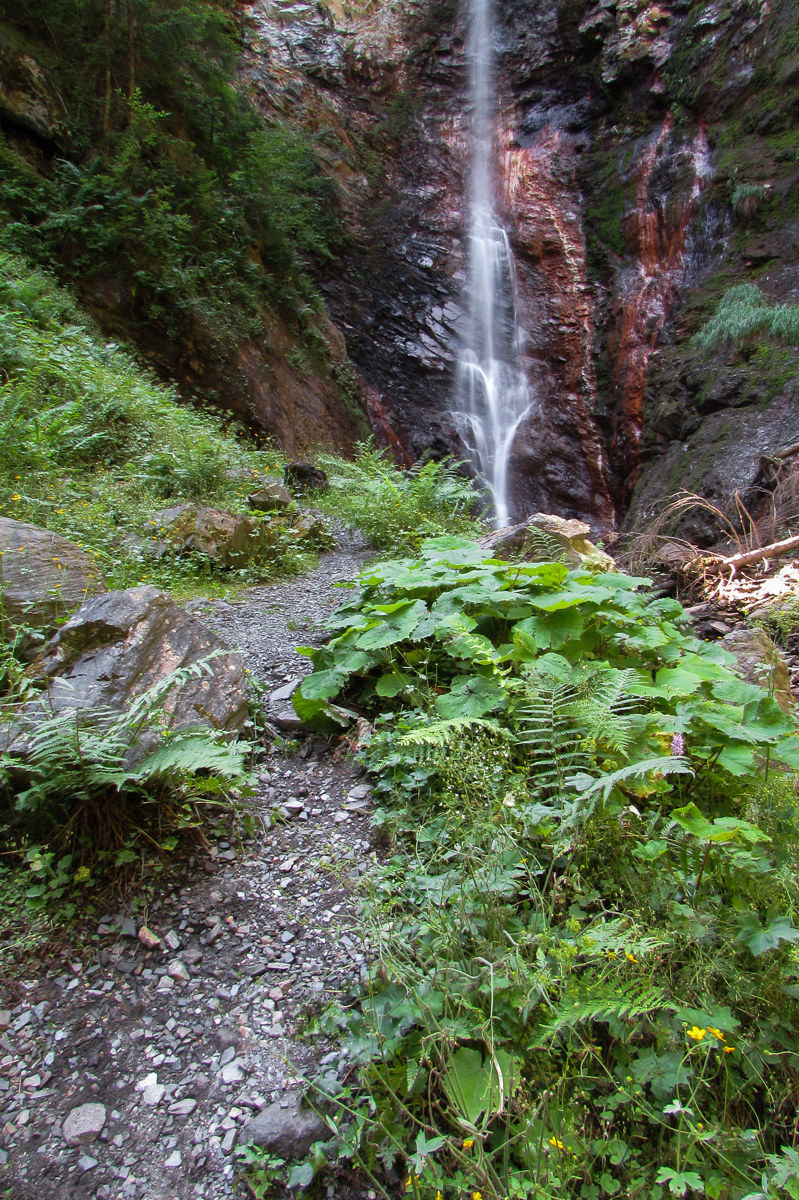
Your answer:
<point x="182" y="1049"/>
<point x="84" y="1124"/>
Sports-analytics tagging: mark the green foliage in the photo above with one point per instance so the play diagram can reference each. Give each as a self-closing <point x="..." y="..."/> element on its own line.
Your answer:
<point x="746" y="199"/>
<point x="398" y="508"/>
<point x="91" y="444"/>
<point x="168" y="181"/>
<point x="585" y="934"/>
<point x="744" y="312"/>
<point x="95" y="790"/>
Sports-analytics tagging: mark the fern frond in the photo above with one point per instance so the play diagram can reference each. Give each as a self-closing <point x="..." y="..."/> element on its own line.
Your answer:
<point x="443" y="733"/>
<point x="602" y="1000"/>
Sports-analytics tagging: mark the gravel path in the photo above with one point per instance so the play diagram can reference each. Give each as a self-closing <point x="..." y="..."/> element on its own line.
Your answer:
<point x="152" y="1060"/>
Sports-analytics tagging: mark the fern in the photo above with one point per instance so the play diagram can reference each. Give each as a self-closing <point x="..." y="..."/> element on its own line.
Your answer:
<point x="592" y="1000"/>
<point x="547" y="728"/>
<point x="441" y="734"/>
<point x="605" y="712"/>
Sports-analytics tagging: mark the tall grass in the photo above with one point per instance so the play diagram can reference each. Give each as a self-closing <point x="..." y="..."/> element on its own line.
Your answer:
<point x="744" y="312"/>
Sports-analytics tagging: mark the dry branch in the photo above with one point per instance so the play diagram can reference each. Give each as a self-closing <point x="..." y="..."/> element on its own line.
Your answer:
<point x="774" y="550"/>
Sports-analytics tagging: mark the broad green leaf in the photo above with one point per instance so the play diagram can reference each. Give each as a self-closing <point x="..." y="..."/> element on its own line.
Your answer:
<point x="395" y="627"/>
<point x="472" y="1082"/>
<point x="471" y="696"/>
<point x="761" y="938"/>
<point x="323" y="685"/>
<point x="393" y="683"/>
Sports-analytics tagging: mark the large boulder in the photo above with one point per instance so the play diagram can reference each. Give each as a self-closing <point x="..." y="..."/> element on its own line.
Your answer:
<point x="759" y="661"/>
<point x="227" y="539"/>
<point x="44" y="576"/>
<point x="304" y="477"/>
<point x="544" y="536"/>
<point x="119" y="645"/>
<point x="270" y="496"/>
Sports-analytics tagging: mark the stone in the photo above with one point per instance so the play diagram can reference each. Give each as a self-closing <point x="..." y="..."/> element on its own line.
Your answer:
<point x="44" y="576"/>
<point x="119" y="645"/>
<point x="281" y="710"/>
<point x="304" y="477"/>
<point x="759" y="661"/>
<point x="84" y="1124"/>
<point x="287" y="1131"/>
<point x="175" y="1160"/>
<point x="270" y="496"/>
<point x="178" y="970"/>
<point x="227" y="539"/>
<point x="544" y="536"/>
<point x="148" y="939"/>
<point x="183" y="1108"/>
<point x="153" y="1095"/>
<point x="232" y="1072"/>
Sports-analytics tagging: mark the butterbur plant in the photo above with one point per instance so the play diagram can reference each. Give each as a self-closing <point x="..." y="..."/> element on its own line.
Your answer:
<point x="584" y="932"/>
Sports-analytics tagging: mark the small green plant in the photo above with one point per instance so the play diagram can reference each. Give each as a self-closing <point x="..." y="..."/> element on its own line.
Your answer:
<point x="743" y="313"/>
<point x="94" y="790"/>
<point x="397" y="508"/>
<point x="746" y="199"/>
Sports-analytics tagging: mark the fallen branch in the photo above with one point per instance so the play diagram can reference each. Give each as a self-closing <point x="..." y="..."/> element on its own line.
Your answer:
<point x="775" y="550"/>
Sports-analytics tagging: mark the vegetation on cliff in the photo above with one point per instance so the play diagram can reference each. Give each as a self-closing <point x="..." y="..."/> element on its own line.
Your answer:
<point x="155" y="178"/>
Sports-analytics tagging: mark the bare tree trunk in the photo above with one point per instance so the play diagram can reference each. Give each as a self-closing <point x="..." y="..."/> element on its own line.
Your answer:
<point x="107" y="97"/>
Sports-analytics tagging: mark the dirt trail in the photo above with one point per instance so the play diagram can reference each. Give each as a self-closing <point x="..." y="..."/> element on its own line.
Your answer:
<point x="181" y="1045"/>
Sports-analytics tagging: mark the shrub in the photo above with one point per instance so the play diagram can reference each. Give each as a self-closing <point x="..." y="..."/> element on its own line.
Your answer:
<point x="397" y="508"/>
<point x="745" y="312"/>
<point x="584" y="936"/>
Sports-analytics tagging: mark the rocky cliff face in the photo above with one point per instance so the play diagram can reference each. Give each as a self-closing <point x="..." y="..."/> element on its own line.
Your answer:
<point x="629" y="130"/>
<point x="648" y="162"/>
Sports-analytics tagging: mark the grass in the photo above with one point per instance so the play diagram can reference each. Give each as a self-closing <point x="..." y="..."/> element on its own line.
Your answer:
<point x="744" y="312"/>
<point x="92" y="445"/>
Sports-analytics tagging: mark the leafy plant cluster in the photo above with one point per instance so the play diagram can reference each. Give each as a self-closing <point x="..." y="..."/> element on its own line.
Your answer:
<point x="91" y="444"/>
<point x="165" y="178"/>
<point x="744" y="312"/>
<point x="96" y="797"/>
<point x="397" y="508"/>
<point x="585" y="953"/>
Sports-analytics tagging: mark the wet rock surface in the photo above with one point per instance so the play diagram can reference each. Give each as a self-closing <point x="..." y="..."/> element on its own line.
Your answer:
<point x="185" y="1035"/>
<point x="44" y="575"/>
<point x="117" y="646"/>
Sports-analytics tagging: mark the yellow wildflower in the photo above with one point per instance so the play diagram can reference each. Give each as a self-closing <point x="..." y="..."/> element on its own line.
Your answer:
<point x="477" y="1196"/>
<point x="16" y="497"/>
<point x="439" y="1196"/>
<point x="696" y="1033"/>
<point x="729" y="1049"/>
<point x="557" y="1143"/>
<point x="630" y="957"/>
<point x="716" y="1033"/>
<point x="468" y="1143"/>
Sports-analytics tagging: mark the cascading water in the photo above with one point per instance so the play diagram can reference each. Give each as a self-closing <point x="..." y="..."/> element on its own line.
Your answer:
<point x="492" y="392"/>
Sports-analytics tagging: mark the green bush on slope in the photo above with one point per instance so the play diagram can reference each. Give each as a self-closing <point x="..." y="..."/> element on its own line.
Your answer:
<point x="584" y="940"/>
<point x="168" y="181"/>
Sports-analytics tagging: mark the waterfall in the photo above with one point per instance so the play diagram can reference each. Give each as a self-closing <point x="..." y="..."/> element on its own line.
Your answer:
<point x="492" y="394"/>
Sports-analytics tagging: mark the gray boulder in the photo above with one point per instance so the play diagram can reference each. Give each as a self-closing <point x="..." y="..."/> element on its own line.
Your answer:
<point x="44" y="576"/>
<point x="545" y="536"/>
<point x="228" y="539"/>
<point x="121" y="644"/>
<point x="270" y="496"/>
<point x="285" y="1129"/>
<point x="759" y="661"/>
